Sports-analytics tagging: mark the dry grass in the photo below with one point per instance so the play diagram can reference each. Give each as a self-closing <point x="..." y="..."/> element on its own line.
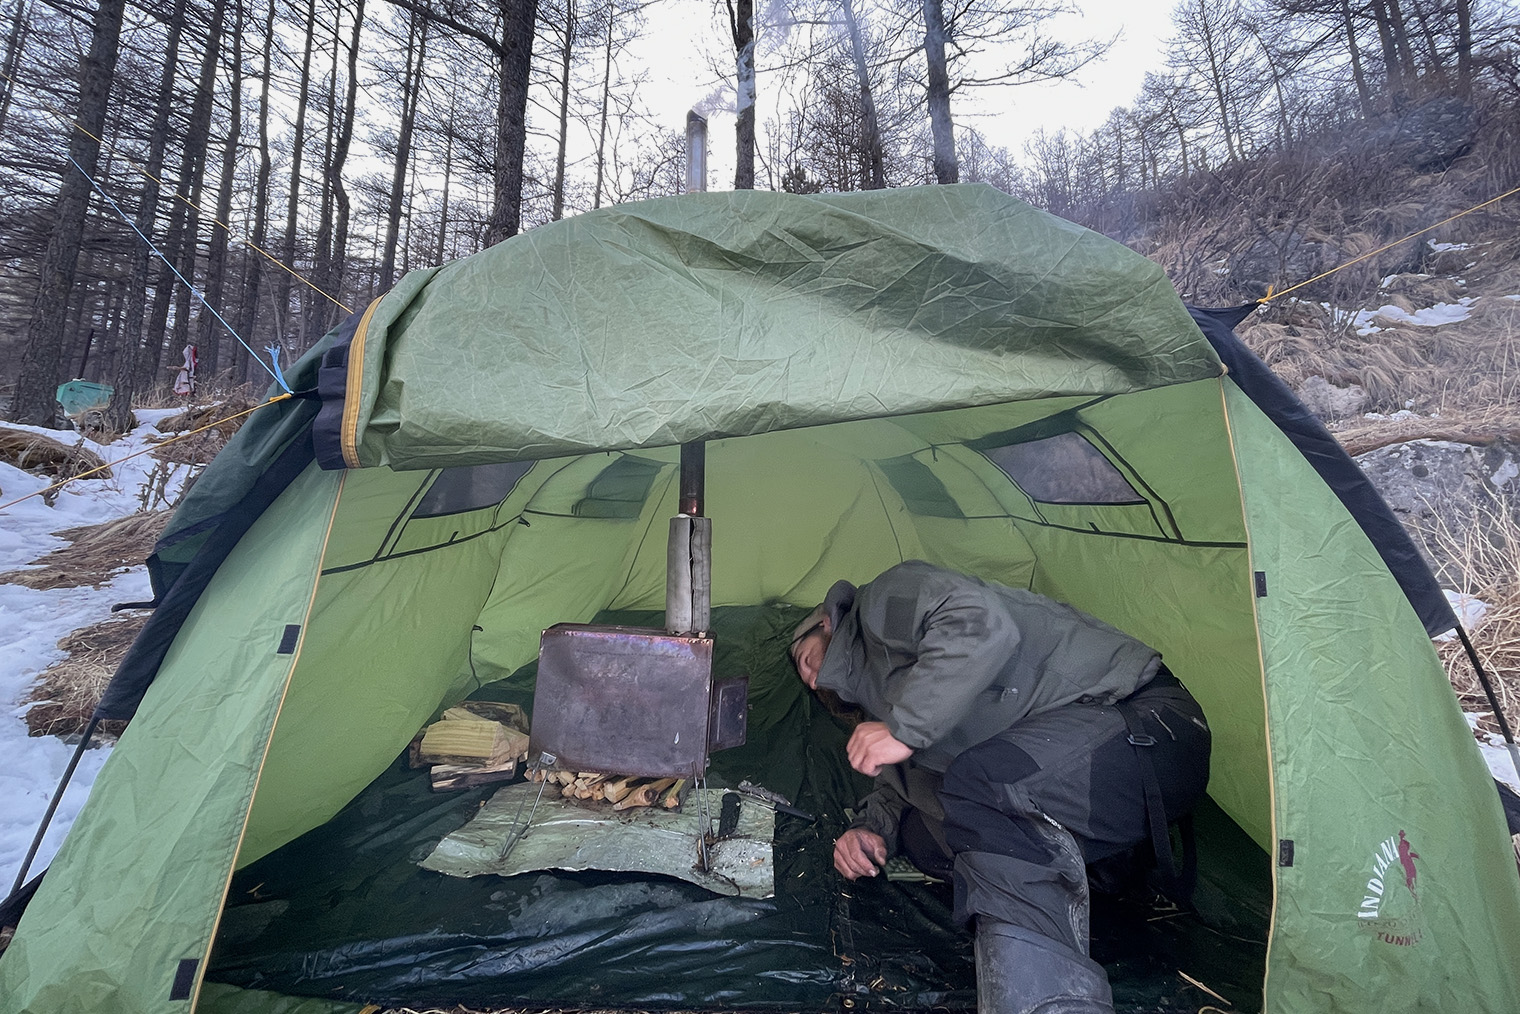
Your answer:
<point x="1468" y="369"/>
<point x="1486" y="556"/>
<point x="95" y="553"/>
<point x="33" y="452"/>
<point x="68" y="691"/>
<point x="202" y="447"/>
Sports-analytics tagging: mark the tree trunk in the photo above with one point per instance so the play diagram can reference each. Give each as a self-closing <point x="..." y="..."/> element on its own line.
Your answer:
<point x="125" y="382"/>
<point x="1464" y="48"/>
<point x="448" y="179"/>
<point x="1358" y="75"/>
<point x="941" y="128"/>
<point x="601" y="136"/>
<point x="210" y="342"/>
<point x="248" y="311"/>
<point x="313" y="305"/>
<point x="416" y="53"/>
<point x="41" y="366"/>
<point x="15" y="42"/>
<point x="564" y="112"/>
<point x="197" y="140"/>
<point x="339" y="263"/>
<point x="742" y="21"/>
<point x="870" y="130"/>
<point x="514" y="63"/>
<point x="284" y="331"/>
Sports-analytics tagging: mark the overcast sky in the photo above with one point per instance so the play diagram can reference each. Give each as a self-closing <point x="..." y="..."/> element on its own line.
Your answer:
<point x="683" y="39"/>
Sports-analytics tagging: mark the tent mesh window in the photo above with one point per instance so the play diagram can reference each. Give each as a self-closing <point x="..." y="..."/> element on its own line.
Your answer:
<point x="457" y="490"/>
<point x="921" y="490"/>
<point x="620" y="490"/>
<point x="1063" y="469"/>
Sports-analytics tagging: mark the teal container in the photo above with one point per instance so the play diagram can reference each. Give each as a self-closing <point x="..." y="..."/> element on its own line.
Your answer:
<point x="80" y="396"/>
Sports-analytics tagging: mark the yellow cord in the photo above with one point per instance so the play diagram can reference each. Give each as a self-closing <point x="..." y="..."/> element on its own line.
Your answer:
<point x="162" y="443"/>
<point x="179" y="196"/>
<point x="1373" y="253"/>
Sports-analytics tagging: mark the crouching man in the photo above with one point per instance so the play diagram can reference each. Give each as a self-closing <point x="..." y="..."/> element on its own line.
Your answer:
<point x="1014" y="741"/>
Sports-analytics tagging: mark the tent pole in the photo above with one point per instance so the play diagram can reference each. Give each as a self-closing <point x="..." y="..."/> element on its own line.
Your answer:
<point x="1493" y="699"/>
<point x="47" y="818"/>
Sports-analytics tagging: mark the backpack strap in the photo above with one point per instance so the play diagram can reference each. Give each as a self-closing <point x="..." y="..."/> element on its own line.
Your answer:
<point x="1177" y="880"/>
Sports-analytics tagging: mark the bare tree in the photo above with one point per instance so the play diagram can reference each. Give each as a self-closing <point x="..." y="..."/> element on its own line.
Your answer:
<point x="506" y="29"/>
<point x="41" y="365"/>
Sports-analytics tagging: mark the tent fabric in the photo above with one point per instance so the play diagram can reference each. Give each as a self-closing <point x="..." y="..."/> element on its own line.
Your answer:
<point x="758" y="311"/>
<point x="1354" y="906"/>
<point x="872" y="375"/>
<point x="1330" y="460"/>
<point x="326" y="914"/>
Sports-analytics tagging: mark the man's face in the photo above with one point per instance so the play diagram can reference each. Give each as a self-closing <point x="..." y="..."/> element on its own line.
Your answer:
<point x="807" y="652"/>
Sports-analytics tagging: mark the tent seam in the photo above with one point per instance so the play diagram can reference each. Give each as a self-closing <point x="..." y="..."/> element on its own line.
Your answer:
<point x="295" y="660"/>
<point x="1266" y="711"/>
<point x="349" y="434"/>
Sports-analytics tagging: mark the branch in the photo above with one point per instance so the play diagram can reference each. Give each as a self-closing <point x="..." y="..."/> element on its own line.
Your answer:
<point x="423" y="11"/>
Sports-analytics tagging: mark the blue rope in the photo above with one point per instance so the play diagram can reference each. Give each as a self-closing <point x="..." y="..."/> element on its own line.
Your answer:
<point x="275" y="373"/>
<point x="274" y="359"/>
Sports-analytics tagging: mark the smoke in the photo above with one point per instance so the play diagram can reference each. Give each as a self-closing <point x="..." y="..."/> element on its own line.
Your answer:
<point x="719" y="100"/>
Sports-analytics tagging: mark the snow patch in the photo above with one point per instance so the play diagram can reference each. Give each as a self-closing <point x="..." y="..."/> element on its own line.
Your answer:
<point x="1430" y="316"/>
<point x="1495" y="752"/>
<point x="33" y="621"/>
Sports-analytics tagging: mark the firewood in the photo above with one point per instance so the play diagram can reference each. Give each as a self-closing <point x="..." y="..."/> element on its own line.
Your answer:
<point x="644" y="795"/>
<point x="613" y="790"/>
<point x="460" y="741"/>
<point x="674" y="796"/>
<point x="447" y="777"/>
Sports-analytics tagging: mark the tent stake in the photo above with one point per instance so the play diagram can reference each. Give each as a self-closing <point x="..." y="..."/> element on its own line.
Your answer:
<point x="1493" y="699"/>
<point x="47" y="818"/>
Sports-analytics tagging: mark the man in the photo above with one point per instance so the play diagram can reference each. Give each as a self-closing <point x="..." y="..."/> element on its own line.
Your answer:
<point x="1014" y="741"/>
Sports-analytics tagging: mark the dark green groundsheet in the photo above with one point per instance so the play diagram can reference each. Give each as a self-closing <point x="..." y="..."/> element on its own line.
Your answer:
<point x="343" y="912"/>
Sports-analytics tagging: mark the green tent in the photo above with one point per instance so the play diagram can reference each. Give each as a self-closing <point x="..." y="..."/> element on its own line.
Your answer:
<point x="939" y="373"/>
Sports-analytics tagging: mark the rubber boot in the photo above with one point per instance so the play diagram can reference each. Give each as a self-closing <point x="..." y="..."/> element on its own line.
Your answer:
<point x="1019" y="971"/>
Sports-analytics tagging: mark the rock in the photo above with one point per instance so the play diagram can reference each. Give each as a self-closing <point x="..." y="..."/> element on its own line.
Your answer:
<point x="1444" y="492"/>
<point x="1429" y="136"/>
<point x="1327" y="401"/>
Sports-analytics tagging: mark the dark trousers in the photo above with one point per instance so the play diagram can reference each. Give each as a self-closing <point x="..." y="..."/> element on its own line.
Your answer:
<point x="1028" y="810"/>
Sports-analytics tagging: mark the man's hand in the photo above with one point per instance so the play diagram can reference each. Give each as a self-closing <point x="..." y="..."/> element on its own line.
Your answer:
<point x="859" y="853"/>
<point x="872" y="746"/>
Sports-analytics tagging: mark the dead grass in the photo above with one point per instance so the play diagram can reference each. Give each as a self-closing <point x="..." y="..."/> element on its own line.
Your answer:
<point x="67" y="692"/>
<point x="33" y="452"/>
<point x="1486" y="554"/>
<point x="95" y="553"/>
<point x="202" y="447"/>
<point x="1468" y="368"/>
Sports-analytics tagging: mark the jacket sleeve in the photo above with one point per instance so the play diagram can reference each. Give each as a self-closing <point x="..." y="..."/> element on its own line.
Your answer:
<point x="882" y="812"/>
<point x="962" y="643"/>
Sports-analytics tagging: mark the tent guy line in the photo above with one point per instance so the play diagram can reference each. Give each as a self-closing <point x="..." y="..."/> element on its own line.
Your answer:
<point x="1275" y="293"/>
<point x="250" y="244"/>
<point x="273" y="372"/>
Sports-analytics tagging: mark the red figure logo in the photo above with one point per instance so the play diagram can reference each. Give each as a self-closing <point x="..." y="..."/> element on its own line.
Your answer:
<point x="1407" y="856"/>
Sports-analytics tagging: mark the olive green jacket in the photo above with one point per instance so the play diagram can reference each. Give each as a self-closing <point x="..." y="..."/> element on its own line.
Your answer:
<point x="947" y="661"/>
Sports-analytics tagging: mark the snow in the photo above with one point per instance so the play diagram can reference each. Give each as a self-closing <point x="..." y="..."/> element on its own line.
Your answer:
<point x="1496" y="753"/>
<point x="1430" y="316"/>
<point x="1470" y="611"/>
<point x="32" y="622"/>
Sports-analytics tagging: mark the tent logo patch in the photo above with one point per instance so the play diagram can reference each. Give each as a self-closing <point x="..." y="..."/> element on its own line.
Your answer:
<point x="1390" y="908"/>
